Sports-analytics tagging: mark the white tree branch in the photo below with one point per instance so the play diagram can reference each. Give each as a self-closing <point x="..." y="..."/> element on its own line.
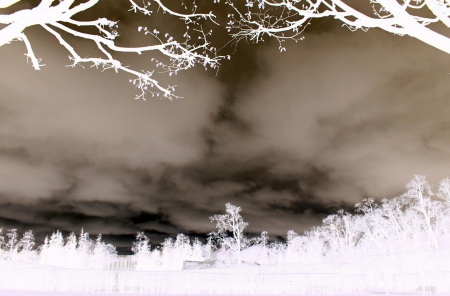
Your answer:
<point x="30" y="54"/>
<point x="181" y="56"/>
<point x="286" y="19"/>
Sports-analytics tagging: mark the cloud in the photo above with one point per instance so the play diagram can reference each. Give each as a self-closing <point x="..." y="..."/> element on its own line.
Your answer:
<point x="74" y="136"/>
<point x="366" y="108"/>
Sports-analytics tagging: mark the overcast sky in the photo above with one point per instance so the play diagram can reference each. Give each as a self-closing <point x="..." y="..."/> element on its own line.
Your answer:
<point x="290" y="137"/>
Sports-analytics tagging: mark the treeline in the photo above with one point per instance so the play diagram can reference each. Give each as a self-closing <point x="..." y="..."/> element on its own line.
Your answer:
<point x="73" y="252"/>
<point x="390" y="234"/>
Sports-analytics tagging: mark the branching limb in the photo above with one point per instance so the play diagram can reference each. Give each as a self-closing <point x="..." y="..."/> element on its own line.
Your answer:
<point x="142" y="81"/>
<point x="187" y="17"/>
<point x="287" y="19"/>
<point x="181" y="55"/>
<point x="34" y="61"/>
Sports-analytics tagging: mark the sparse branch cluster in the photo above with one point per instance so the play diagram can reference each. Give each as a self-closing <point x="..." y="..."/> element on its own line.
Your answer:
<point x="287" y="19"/>
<point x="57" y="19"/>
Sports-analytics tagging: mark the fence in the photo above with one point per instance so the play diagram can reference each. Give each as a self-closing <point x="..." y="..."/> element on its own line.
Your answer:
<point x="122" y="263"/>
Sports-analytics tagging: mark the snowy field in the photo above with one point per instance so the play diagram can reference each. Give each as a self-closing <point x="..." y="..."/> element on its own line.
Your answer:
<point x="23" y="293"/>
<point x="41" y="280"/>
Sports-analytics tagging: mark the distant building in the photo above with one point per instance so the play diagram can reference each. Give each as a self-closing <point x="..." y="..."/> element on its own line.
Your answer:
<point x="198" y="264"/>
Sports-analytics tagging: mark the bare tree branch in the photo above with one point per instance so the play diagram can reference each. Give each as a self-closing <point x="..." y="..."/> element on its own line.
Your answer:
<point x="287" y="19"/>
<point x="55" y="18"/>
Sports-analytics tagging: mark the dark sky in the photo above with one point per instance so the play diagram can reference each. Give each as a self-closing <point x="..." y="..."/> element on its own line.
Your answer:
<point x="290" y="137"/>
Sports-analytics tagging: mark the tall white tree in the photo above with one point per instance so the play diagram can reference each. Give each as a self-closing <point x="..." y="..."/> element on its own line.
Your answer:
<point x="182" y="249"/>
<point x="141" y="250"/>
<point x="344" y="230"/>
<point x="12" y="246"/>
<point x="85" y="246"/>
<point x="197" y="250"/>
<point x="44" y="254"/>
<point x="2" y="241"/>
<point x="167" y="255"/>
<point x="315" y="245"/>
<point x="287" y="19"/>
<point x="155" y="259"/>
<point x="56" y="250"/>
<point x="233" y="222"/>
<point x="444" y="190"/>
<point x="102" y="254"/>
<point x="374" y="228"/>
<point x="419" y="191"/>
<point x="25" y="245"/>
<point x="71" y="252"/>
<point x="57" y="17"/>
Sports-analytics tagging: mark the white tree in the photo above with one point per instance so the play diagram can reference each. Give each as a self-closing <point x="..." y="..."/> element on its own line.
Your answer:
<point x="2" y="241"/>
<point x="277" y="252"/>
<point x="182" y="250"/>
<point x="444" y="190"/>
<point x="56" y="17"/>
<point x="315" y="246"/>
<point x="231" y="221"/>
<point x="167" y="256"/>
<point x="56" y="249"/>
<point x="287" y="19"/>
<point x="43" y="252"/>
<point x="344" y="232"/>
<point x="85" y="247"/>
<point x="263" y="242"/>
<point x="26" y="245"/>
<point x="375" y="227"/>
<point x="71" y="252"/>
<point x="155" y="259"/>
<point x="141" y="250"/>
<point x="52" y="251"/>
<point x="197" y="250"/>
<point x="102" y="253"/>
<point x="292" y="247"/>
<point x="419" y="191"/>
<point x="11" y="246"/>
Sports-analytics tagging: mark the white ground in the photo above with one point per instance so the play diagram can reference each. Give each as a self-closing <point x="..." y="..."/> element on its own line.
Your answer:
<point x="28" y="293"/>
